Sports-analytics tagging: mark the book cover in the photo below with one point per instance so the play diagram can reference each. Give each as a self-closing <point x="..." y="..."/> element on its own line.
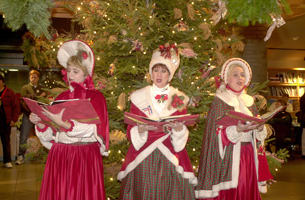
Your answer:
<point x="75" y="109"/>
<point x="232" y="117"/>
<point x="133" y="119"/>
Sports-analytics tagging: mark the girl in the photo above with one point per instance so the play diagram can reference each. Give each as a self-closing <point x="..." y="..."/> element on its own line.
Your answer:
<point x="157" y="165"/>
<point x="228" y="162"/>
<point x="74" y="168"/>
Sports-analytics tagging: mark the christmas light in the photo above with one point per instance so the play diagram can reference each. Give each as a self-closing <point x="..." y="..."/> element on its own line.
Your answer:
<point x="194" y="167"/>
<point x="98" y="58"/>
<point x="133" y="67"/>
<point x="229" y="39"/>
<point x="195" y="38"/>
<point x="173" y="32"/>
<point x="94" y="32"/>
<point x="111" y="179"/>
<point x="194" y="149"/>
<point x="54" y="50"/>
<point x="119" y="151"/>
<point x="84" y="17"/>
<point x="204" y="19"/>
<point x="150" y="16"/>
<point x="78" y="8"/>
<point x="123" y="160"/>
<point x="141" y="34"/>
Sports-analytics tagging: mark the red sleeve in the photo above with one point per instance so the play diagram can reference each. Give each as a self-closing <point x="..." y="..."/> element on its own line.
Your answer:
<point x="99" y="103"/>
<point x="15" y="107"/>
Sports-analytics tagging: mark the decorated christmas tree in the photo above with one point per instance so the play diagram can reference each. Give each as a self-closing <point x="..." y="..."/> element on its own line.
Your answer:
<point x="123" y="35"/>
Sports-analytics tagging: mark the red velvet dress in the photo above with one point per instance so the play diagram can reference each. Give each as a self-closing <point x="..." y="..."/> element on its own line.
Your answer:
<point x="74" y="168"/>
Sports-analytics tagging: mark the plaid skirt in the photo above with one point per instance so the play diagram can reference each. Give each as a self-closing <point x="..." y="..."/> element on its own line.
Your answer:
<point x="156" y="178"/>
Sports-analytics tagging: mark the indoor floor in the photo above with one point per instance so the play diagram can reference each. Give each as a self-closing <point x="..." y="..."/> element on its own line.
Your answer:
<point x="23" y="182"/>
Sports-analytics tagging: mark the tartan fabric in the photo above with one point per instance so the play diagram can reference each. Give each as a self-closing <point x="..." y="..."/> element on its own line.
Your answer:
<point x="156" y="178"/>
<point x="212" y="169"/>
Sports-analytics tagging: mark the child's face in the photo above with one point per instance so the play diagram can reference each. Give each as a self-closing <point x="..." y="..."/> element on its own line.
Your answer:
<point x="160" y="76"/>
<point x="75" y="74"/>
<point x="34" y="78"/>
<point x="236" y="78"/>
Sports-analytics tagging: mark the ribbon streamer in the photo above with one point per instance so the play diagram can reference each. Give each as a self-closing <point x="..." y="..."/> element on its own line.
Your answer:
<point x="277" y="22"/>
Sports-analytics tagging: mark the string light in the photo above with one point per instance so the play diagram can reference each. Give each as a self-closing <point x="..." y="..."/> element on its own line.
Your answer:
<point x="123" y="160"/>
<point x="78" y="8"/>
<point x="98" y="58"/>
<point x="173" y="32"/>
<point x="195" y="38"/>
<point x="111" y="179"/>
<point x="94" y="32"/>
<point x="141" y="34"/>
<point x="119" y="151"/>
<point x="194" y="149"/>
<point x="133" y="67"/>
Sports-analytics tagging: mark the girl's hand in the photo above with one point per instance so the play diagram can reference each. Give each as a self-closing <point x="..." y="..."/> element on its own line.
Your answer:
<point x="144" y="127"/>
<point x="248" y="127"/>
<point x="177" y="126"/>
<point x="36" y="120"/>
<point x="57" y="118"/>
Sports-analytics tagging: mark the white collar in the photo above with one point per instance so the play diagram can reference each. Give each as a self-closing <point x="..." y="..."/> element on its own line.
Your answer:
<point x="163" y="90"/>
<point x="233" y="99"/>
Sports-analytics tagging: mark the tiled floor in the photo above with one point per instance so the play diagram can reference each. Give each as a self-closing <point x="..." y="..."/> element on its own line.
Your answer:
<point x="23" y="182"/>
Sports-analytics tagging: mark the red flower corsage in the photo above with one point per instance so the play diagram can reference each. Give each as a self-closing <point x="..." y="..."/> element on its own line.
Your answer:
<point x="161" y="97"/>
<point x="177" y="101"/>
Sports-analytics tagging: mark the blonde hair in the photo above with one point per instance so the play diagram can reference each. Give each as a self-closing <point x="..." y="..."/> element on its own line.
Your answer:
<point x="75" y="61"/>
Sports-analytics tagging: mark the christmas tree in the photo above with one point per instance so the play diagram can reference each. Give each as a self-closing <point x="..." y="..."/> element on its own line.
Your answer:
<point x="124" y="33"/>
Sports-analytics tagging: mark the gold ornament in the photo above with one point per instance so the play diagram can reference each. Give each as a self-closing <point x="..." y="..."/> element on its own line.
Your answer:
<point x="116" y="136"/>
<point x="148" y="78"/>
<point x="122" y="101"/>
<point x="112" y="39"/>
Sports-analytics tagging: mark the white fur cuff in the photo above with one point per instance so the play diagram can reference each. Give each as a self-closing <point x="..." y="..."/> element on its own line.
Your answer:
<point x="137" y="139"/>
<point x="179" y="138"/>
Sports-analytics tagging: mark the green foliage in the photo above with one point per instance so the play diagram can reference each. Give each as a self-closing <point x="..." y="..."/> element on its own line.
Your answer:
<point x="33" y="13"/>
<point x="244" y="12"/>
<point x="276" y="161"/>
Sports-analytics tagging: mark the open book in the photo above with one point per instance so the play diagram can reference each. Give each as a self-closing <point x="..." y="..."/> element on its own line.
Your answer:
<point x="232" y="117"/>
<point x="75" y="109"/>
<point x="133" y="119"/>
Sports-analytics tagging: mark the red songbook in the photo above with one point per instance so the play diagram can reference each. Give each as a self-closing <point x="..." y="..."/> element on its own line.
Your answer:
<point x="133" y="119"/>
<point x="232" y="117"/>
<point x="75" y="109"/>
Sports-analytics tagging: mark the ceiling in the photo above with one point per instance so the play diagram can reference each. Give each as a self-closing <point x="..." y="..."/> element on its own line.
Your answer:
<point x="286" y="47"/>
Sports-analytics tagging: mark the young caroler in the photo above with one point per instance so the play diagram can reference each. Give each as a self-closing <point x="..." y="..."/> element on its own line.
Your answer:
<point x="228" y="163"/>
<point x="157" y="165"/>
<point x="74" y="168"/>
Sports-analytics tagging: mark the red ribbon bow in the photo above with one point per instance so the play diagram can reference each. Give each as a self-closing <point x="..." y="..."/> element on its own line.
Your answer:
<point x="84" y="55"/>
<point x="166" y="50"/>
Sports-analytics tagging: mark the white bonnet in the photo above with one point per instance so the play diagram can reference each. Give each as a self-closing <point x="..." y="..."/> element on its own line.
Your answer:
<point x="168" y="56"/>
<point x="236" y="61"/>
<point x="72" y="48"/>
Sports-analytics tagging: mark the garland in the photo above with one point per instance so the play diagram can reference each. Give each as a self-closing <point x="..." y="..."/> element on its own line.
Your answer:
<point x="35" y="14"/>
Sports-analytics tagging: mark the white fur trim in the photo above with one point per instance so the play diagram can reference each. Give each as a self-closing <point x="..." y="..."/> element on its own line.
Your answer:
<point x="171" y="63"/>
<point x="179" y="138"/>
<point x="261" y="135"/>
<point x="262" y="187"/>
<point x="222" y="151"/>
<point x="146" y="152"/>
<point x="233" y="135"/>
<point x="71" y="48"/>
<point x="234" y="100"/>
<point x="173" y="159"/>
<point x="137" y="139"/>
<point x="224" y="185"/>
<point x="45" y="137"/>
<point x="142" y="99"/>
<point x="236" y="61"/>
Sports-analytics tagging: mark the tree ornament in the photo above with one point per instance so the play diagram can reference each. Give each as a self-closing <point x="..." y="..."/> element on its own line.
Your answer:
<point x="188" y="52"/>
<point x="181" y="26"/>
<point x="206" y="30"/>
<point x="221" y="12"/>
<point x="148" y="78"/>
<point x="116" y="136"/>
<point x="111" y="69"/>
<point x="137" y="46"/>
<point x="277" y="22"/>
<point x="112" y="39"/>
<point x="122" y="101"/>
<point x="177" y="13"/>
<point x="190" y="11"/>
